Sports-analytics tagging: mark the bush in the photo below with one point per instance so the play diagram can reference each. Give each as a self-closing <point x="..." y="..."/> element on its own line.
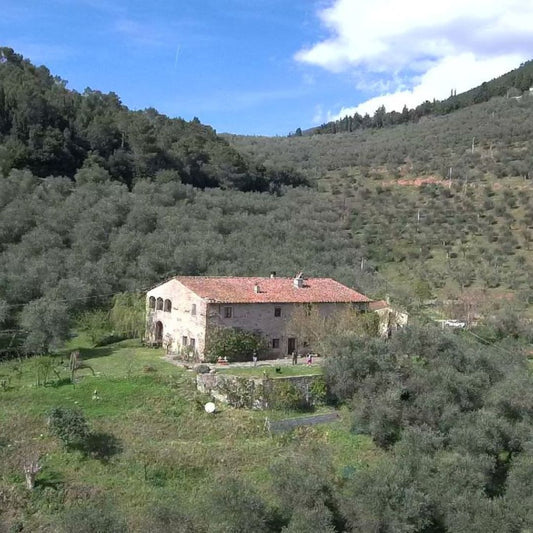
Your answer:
<point x="128" y="315"/>
<point x="164" y="517"/>
<point x="95" y="518"/>
<point x="96" y="325"/>
<point x="319" y="391"/>
<point x="231" y="505"/>
<point x="69" y="425"/>
<point x="284" y="395"/>
<point x="235" y="344"/>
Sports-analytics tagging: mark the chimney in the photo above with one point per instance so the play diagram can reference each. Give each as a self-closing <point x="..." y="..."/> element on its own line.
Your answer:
<point x="273" y="274"/>
<point x="298" y="281"/>
<point x="257" y="289"/>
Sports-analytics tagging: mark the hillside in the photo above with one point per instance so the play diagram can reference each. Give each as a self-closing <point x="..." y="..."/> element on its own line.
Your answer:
<point x="445" y="204"/>
<point x="501" y="130"/>
<point x="68" y="244"/>
<point x="50" y="130"/>
<point x="433" y="435"/>
<point x="512" y="84"/>
<point x="97" y="203"/>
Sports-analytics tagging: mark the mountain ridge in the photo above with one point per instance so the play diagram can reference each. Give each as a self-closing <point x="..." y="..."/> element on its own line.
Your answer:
<point x="512" y="83"/>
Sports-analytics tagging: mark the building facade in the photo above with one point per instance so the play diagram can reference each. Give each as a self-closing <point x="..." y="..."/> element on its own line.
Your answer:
<point x="181" y="311"/>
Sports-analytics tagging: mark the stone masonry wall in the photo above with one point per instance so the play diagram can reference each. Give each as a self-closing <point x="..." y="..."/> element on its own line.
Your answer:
<point x="181" y="322"/>
<point x="261" y="317"/>
<point x="240" y="391"/>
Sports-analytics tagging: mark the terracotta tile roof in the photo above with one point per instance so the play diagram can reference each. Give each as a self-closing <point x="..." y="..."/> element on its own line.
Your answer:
<point x="378" y="304"/>
<point x="271" y="290"/>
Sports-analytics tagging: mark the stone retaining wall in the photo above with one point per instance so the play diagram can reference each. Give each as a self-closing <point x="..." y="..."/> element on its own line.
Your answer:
<point x="261" y="393"/>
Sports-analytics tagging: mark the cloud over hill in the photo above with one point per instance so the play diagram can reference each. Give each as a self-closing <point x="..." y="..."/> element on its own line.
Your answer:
<point x="407" y="53"/>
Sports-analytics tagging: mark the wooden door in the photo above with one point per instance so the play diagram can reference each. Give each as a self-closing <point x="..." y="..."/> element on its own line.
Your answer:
<point x="291" y="345"/>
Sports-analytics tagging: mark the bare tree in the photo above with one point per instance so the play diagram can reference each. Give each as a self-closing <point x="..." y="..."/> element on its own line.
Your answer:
<point x="31" y="469"/>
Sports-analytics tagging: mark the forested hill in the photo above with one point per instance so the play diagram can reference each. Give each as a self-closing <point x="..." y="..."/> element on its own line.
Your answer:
<point x="97" y="200"/>
<point x="491" y="139"/>
<point x="511" y="84"/>
<point x="50" y="130"/>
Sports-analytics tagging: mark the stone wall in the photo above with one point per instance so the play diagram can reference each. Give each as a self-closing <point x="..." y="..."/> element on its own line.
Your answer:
<point x="261" y="318"/>
<point x="184" y="324"/>
<point x="261" y="393"/>
<point x="183" y="328"/>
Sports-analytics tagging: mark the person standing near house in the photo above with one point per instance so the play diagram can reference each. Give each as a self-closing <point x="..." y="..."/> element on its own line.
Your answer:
<point x="294" y="357"/>
<point x="309" y="359"/>
<point x="254" y="358"/>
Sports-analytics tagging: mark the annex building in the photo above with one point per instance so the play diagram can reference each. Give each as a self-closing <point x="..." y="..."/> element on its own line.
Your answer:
<point x="181" y="311"/>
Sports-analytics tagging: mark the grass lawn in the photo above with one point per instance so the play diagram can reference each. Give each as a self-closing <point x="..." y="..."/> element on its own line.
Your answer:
<point x="284" y="371"/>
<point x="164" y="444"/>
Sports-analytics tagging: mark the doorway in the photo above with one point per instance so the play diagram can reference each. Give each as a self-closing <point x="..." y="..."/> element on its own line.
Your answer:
<point x="158" y="337"/>
<point x="291" y="345"/>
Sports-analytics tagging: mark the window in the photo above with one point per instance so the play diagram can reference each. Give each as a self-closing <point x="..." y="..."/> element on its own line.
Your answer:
<point x="192" y="343"/>
<point x="168" y="306"/>
<point x="275" y="344"/>
<point x="151" y="302"/>
<point x="228" y="312"/>
<point x="184" y="340"/>
<point x="159" y="304"/>
<point x="193" y="310"/>
<point x="277" y="311"/>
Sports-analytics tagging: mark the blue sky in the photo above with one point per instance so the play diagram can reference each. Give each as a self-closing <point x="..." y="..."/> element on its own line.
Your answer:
<point x="266" y="67"/>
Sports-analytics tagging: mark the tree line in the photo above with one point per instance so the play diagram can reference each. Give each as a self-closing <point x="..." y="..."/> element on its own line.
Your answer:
<point x="51" y="130"/>
<point x="512" y="84"/>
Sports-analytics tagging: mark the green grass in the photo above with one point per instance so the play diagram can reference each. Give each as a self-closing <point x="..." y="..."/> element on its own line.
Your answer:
<point x="270" y="371"/>
<point x="168" y="447"/>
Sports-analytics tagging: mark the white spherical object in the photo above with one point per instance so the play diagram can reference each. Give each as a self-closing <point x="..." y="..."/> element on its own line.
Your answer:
<point x="209" y="407"/>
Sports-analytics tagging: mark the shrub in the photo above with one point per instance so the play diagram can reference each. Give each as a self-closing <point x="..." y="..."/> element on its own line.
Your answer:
<point x="46" y="366"/>
<point x="128" y="315"/>
<point x="96" y="325"/>
<point x="69" y="425"/>
<point x="318" y="391"/>
<point x="284" y="395"/>
<point x="95" y="518"/>
<point x="164" y="517"/>
<point x="231" y="505"/>
<point x="235" y="344"/>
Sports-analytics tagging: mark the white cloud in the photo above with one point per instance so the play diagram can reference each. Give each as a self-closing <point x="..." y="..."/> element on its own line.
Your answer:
<point x="460" y="72"/>
<point x="422" y="49"/>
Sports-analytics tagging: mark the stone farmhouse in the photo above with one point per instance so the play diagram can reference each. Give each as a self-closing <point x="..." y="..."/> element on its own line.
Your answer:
<point x="181" y="311"/>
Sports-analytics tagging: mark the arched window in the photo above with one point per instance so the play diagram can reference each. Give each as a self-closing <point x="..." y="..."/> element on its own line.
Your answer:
<point x="151" y="302"/>
<point x="159" y="304"/>
<point x="168" y="306"/>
